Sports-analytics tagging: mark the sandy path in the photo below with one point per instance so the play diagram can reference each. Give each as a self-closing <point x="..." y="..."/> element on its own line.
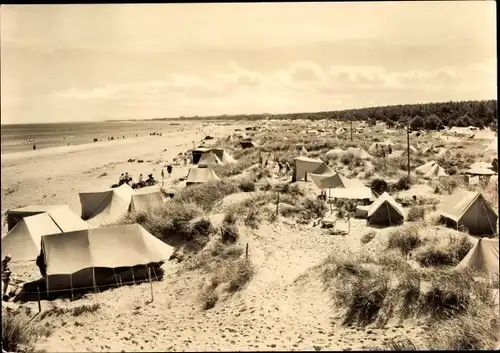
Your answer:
<point x="273" y="313"/>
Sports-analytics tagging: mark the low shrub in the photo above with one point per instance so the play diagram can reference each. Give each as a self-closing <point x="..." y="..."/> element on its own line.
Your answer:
<point x="406" y="240"/>
<point x="449" y="254"/>
<point x="416" y="213"/>
<point x="19" y="334"/>
<point x="404" y="183"/>
<point x="205" y="195"/>
<point x="247" y="186"/>
<point x="368" y="237"/>
<point x="313" y="208"/>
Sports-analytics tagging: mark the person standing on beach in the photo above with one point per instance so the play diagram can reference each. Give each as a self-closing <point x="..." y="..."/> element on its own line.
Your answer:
<point x="5" y="274"/>
<point x="169" y="170"/>
<point x="162" y="176"/>
<point x="121" y="180"/>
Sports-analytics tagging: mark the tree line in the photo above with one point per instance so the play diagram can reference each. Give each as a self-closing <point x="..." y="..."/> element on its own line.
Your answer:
<point x="430" y="116"/>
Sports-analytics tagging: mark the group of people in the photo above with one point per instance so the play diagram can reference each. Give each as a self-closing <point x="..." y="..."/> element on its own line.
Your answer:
<point x="125" y="178"/>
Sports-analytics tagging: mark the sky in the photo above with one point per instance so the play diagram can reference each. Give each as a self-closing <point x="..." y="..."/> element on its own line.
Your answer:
<point x="118" y="61"/>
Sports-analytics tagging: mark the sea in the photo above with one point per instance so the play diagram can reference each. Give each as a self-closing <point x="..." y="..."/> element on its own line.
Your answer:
<point x="22" y="137"/>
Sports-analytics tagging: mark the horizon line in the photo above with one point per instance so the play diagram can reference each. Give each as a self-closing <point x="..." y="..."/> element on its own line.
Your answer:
<point x="227" y="115"/>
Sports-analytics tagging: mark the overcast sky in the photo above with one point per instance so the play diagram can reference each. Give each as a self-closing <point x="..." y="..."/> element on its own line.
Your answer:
<point x="96" y="62"/>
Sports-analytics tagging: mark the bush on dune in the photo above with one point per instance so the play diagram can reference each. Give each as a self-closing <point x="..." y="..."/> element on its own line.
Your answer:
<point x="416" y="213"/>
<point x="449" y="254"/>
<point x="368" y="237"/>
<point x="18" y="334"/>
<point x="205" y="195"/>
<point x="313" y="208"/>
<point x="405" y="239"/>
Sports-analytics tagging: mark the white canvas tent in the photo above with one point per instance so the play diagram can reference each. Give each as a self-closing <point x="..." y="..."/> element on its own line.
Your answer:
<point x="385" y="211"/>
<point x="435" y="173"/>
<point x="443" y="153"/>
<point x="84" y="259"/>
<point x="15" y="215"/>
<point x="209" y="159"/>
<point x="330" y="181"/>
<point x="23" y="242"/>
<point x="482" y="257"/>
<point x="479" y="171"/>
<point x="493" y="146"/>
<point x="200" y="176"/>
<point x="471" y="210"/>
<point x="305" y="165"/>
<point x="358" y="152"/>
<point x="335" y="152"/>
<point x="107" y="206"/>
<point x="145" y="199"/>
<point x="425" y="168"/>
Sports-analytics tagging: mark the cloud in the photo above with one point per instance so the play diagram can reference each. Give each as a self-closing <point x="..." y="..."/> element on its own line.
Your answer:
<point x="303" y="86"/>
<point x="306" y="71"/>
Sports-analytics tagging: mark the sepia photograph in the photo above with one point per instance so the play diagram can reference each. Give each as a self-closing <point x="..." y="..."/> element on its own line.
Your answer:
<point x="278" y="176"/>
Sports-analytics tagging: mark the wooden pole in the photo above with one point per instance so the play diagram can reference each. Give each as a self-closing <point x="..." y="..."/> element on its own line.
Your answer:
<point x="151" y="284"/>
<point x="408" y="147"/>
<point x="38" y="297"/>
<point x="246" y="252"/>
<point x="277" y="204"/>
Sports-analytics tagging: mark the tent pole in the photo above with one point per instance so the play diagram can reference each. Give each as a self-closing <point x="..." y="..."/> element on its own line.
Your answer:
<point x="71" y="285"/>
<point x="133" y="277"/>
<point x="388" y="213"/>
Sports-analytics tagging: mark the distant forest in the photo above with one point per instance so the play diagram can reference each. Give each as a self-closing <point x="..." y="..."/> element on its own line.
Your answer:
<point x="430" y="116"/>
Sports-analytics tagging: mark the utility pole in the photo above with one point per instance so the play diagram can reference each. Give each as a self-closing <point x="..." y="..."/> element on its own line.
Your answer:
<point x="408" y="147"/>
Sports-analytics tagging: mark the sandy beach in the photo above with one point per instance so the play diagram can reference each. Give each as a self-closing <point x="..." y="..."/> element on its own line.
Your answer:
<point x="56" y="175"/>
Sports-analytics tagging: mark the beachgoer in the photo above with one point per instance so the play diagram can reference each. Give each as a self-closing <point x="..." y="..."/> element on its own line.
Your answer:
<point x="40" y="262"/>
<point x="127" y="178"/>
<point x="162" y="173"/>
<point x="169" y="170"/>
<point x="5" y="274"/>
<point x="287" y="165"/>
<point x="122" y="179"/>
<point x="34" y="147"/>
<point x="140" y="179"/>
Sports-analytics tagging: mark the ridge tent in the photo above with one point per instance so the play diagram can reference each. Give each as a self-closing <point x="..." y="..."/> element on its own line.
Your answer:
<point x="266" y="157"/>
<point x="145" y="198"/>
<point x="471" y="210"/>
<point x="303" y="152"/>
<point x="200" y="175"/>
<point x="358" y="152"/>
<point x="425" y="168"/>
<point x="304" y="165"/>
<point x="336" y="152"/>
<point x="482" y="257"/>
<point x="247" y="144"/>
<point x="209" y="159"/>
<point x="24" y="240"/>
<point x="340" y="130"/>
<point x="385" y="211"/>
<point x="107" y="206"/>
<point x="435" y="172"/>
<point x="330" y="181"/>
<point x="479" y="171"/>
<point x="223" y="155"/>
<point x="89" y="258"/>
<point x="197" y="153"/>
<point x="15" y="215"/>
<point x="352" y="193"/>
<point x="443" y="153"/>
<point x="481" y="165"/>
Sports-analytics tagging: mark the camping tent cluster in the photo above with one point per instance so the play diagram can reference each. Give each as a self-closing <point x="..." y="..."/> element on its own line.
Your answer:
<point x="211" y="156"/>
<point x="78" y="255"/>
<point x="108" y="206"/>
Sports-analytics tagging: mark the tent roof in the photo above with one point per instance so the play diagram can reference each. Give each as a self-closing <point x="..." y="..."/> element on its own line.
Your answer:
<point x="425" y="168"/>
<point x="145" y="199"/>
<point x="200" y="149"/>
<point x="33" y="209"/>
<point x="479" y="171"/>
<point x="201" y="175"/>
<point x="459" y="202"/>
<point x="308" y="159"/>
<point x="358" y="152"/>
<point x="328" y="181"/>
<point x="435" y="172"/>
<point x="209" y="158"/>
<point x="23" y="241"/>
<point x="385" y="197"/>
<point x="480" y="165"/>
<point x="111" y="247"/>
<point x="351" y="193"/>
<point x="335" y="151"/>
<point x="482" y="256"/>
